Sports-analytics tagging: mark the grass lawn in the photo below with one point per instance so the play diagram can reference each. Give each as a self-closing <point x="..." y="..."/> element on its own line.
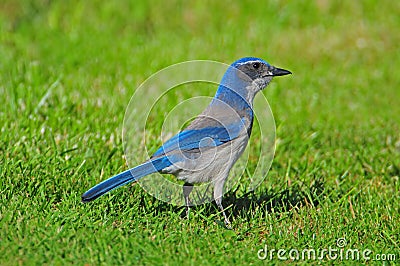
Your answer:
<point x="68" y="70"/>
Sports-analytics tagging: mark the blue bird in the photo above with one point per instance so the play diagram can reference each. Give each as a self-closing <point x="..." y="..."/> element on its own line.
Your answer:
<point x="210" y="145"/>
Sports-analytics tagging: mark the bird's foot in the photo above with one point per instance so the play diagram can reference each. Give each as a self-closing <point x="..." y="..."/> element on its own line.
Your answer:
<point x="226" y="220"/>
<point x="187" y="212"/>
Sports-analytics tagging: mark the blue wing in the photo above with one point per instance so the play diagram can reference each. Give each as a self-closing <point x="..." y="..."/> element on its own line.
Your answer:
<point x="190" y="139"/>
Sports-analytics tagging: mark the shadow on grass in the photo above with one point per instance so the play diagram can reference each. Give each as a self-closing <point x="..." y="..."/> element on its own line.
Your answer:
<point x="243" y="206"/>
<point x="277" y="201"/>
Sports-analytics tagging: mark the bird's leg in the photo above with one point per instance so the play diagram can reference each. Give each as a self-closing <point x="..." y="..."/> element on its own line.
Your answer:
<point x="218" y="191"/>
<point x="219" y="203"/>
<point x="187" y="188"/>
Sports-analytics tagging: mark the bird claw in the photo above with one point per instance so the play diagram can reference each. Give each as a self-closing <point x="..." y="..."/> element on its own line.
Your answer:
<point x="227" y="222"/>
<point x="187" y="212"/>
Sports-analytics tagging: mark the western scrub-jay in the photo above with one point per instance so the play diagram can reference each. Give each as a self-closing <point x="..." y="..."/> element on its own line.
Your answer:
<point x="209" y="146"/>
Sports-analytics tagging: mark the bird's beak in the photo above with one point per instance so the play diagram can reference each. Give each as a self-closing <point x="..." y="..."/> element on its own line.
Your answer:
<point x="278" y="72"/>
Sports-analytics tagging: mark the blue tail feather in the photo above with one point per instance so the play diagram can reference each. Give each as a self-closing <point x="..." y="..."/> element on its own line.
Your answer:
<point x="126" y="177"/>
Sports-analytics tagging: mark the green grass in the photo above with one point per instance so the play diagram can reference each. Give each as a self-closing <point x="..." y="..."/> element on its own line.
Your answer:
<point x="67" y="71"/>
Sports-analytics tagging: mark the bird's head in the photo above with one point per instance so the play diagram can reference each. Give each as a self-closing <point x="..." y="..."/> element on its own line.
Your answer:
<point x="257" y="71"/>
<point x="245" y="77"/>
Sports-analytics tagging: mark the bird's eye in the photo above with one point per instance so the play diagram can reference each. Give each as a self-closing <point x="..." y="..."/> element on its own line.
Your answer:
<point x="256" y="65"/>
